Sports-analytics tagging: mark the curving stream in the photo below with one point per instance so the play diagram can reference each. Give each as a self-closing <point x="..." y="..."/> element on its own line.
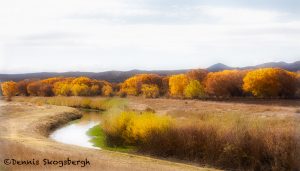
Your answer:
<point x="75" y="132"/>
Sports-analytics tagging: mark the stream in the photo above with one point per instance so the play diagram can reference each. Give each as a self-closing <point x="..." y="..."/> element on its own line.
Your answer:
<point x="75" y="132"/>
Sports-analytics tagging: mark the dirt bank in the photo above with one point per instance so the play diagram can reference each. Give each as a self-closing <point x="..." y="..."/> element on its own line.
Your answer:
<point x="24" y="130"/>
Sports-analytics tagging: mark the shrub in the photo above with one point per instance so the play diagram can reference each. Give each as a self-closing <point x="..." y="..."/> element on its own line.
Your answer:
<point x="130" y="128"/>
<point x="150" y="90"/>
<point x="270" y="82"/>
<point x="194" y="90"/>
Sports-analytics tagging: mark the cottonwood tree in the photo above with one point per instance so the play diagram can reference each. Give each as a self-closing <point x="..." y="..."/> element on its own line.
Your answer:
<point x="133" y="85"/>
<point x="9" y="89"/>
<point x="270" y="82"/>
<point x="177" y="84"/>
<point x="225" y="83"/>
<point x="194" y="90"/>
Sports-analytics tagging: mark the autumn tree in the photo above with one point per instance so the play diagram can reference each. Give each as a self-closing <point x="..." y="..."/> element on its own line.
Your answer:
<point x="194" y="90"/>
<point x="177" y="84"/>
<point x="80" y="90"/>
<point x="150" y="90"/>
<point x="270" y="82"/>
<point x="107" y="90"/>
<point x="95" y="90"/>
<point x="33" y="88"/>
<point x="62" y="88"/>
<point x="133" y="85"/>
<point x="165" y="86"/>
<point x="197" y="74"/>
<point x="46" y="90"/>
<point x="225" y="83"/>
<point x="22" y="87"/>
<point x="9" y="89"/>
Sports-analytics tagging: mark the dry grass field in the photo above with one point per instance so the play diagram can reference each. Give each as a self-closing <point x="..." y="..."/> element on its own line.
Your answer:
<point x="25" y="127"/>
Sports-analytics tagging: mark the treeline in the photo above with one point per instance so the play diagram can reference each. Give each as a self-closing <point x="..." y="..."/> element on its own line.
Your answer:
<point x="198" y="83"/>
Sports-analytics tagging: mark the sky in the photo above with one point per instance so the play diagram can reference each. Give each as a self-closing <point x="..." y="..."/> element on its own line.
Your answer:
<point x="101" y="35"/>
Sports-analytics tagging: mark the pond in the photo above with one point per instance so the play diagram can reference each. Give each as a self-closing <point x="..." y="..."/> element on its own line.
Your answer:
<point x="75" y="132"/>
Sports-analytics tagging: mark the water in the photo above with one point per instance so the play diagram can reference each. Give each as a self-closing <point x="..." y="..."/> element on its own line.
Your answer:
<point x="75" y="132"/>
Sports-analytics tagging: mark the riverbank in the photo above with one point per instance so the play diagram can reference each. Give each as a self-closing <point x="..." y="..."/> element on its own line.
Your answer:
<point x="24" y="130"/>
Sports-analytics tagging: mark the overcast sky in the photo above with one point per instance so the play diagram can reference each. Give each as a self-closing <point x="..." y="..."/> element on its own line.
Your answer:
<point x="100" y="35"/>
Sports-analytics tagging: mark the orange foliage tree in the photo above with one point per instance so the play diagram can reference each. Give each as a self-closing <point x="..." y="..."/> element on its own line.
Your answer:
<point x="225" y="83"/>
<point x="33" y="88"/>
<point x="197" y="74"/>
<point x="9" y="89"/>
<point x="177" y="84"/>
<point x="270" y="82"/>
<point x="22" y="87"/>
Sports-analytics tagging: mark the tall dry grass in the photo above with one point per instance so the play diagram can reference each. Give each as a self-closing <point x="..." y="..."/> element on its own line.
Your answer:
<point x="235" y="143"/>
<point x="228" y="141"/>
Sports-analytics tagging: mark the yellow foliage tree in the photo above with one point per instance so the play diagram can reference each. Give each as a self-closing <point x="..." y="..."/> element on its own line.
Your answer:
<point x="9" y="89"/>
<point x="133" y="85"/>
<point x="177" y="84"/>
<point x="150" y="90"/>
<point x="107" y="90"/>
<point x="270" y="82"/>
<point x="80" y="90"/>
<point x="194" y="90"/>
<point x="62" y="88"/>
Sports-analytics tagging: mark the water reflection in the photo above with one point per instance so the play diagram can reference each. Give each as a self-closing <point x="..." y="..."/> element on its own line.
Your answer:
<point x="75" y="132"/>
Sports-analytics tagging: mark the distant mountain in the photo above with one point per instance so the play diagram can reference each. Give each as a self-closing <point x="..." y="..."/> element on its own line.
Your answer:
<point x="288" y="66"/>
<point x="295" y="66"/>
<point x="218" y="67"/>
<point x="120" y="76"/>
<point x="111" y="76"/>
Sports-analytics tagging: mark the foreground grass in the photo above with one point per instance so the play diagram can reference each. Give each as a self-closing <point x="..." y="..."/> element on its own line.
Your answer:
<point x="231" y="141"/>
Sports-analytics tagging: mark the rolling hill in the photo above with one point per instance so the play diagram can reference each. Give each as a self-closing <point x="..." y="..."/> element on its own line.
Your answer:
<point x="119" y="76"/>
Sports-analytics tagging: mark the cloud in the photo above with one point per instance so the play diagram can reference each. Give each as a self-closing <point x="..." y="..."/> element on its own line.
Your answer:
<point x="153" y="34"/>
